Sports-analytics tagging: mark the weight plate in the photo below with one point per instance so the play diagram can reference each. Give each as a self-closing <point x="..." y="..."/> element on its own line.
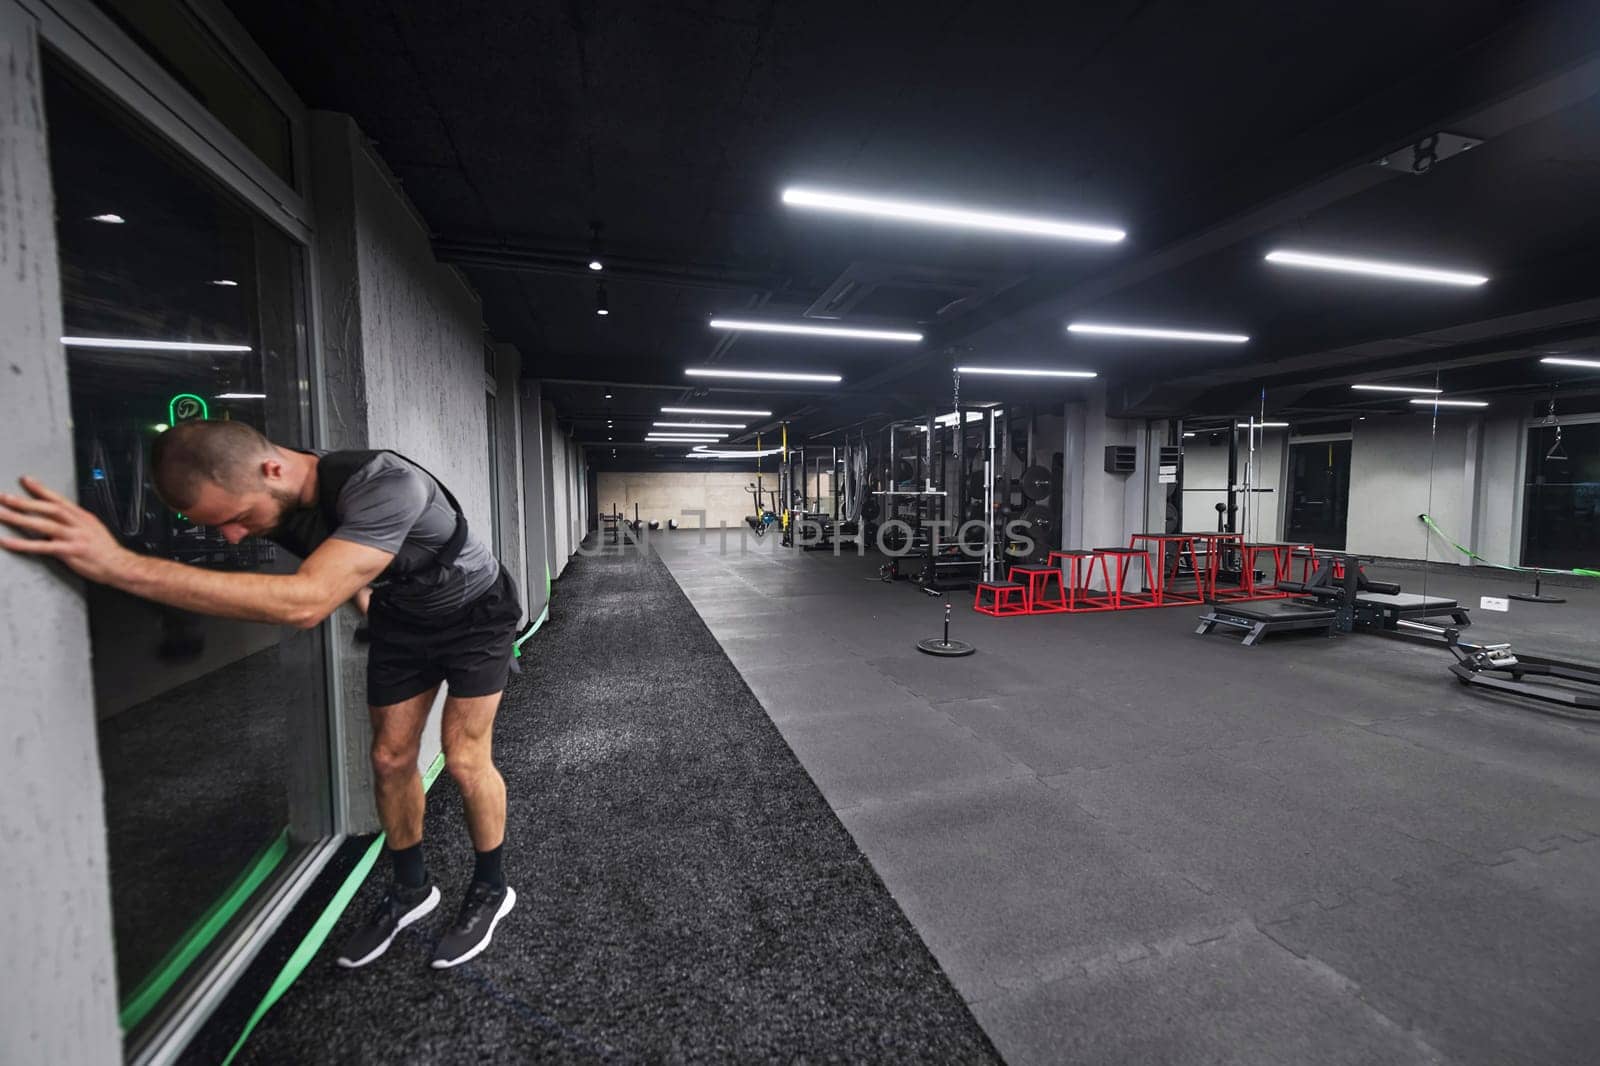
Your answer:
<point x="1035" y="515"/>
<point x="1035" y="483"/>
<point x="903" y="470"/>
<point x="946" y="649"/>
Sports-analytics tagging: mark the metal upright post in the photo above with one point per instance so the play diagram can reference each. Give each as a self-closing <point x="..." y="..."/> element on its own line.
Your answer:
<point x="1231" y="524"/>
<point x="835" y="476"/>
<point x="988" y="501"/>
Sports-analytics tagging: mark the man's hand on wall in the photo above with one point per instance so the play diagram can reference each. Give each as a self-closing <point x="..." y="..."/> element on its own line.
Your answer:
<point x="59" y="528"/>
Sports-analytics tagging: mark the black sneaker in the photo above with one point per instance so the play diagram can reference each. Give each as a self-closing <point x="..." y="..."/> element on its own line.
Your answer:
<point x="399" y="908"/>
<point x="482" y="910"/>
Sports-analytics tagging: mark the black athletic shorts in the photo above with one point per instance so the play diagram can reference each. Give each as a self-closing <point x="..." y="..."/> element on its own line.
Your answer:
<point x="470" y="650"/>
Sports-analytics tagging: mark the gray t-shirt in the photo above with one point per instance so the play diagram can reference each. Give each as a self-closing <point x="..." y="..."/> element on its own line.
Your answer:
<point x="394" y="506"/>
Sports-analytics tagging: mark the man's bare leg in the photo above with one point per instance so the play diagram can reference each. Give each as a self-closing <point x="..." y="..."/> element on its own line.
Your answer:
<point x="468" y="735"/>
<point x="397" y="787"/>
<point x="468" y="732"/>
<point x="396" y="781"/>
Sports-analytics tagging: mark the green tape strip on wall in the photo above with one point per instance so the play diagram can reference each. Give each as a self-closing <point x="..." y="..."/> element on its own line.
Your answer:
<point x="324" y="924"/>
<point x="1428" y="521"/>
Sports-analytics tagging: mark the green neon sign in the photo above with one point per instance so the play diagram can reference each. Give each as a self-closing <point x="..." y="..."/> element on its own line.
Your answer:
<point x="186" y="407"/>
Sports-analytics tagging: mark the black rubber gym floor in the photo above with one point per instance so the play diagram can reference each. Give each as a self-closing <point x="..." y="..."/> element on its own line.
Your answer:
<point x="686" y="895"/>
<point x="1129" y="844"/>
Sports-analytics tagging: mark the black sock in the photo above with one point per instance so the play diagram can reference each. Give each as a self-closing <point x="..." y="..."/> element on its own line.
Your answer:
<point x="488" y="869"/>
<point x="408" y="869"/>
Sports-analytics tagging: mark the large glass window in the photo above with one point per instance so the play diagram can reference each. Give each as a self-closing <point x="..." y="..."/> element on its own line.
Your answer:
<point x="169" y="32"/>
<point x="180" y="303"/>
<point x="1561" y="497"/>
<point x="1319" y="493"/>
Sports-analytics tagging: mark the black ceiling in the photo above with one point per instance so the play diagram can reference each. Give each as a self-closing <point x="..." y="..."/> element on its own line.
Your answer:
<point x="1210" y="132"/>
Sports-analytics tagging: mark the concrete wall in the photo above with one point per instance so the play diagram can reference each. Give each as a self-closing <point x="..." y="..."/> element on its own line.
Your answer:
<point x="721" y="494"/>
<point x="403" y="346"/>
<point x="1205" y="480"/>
<point x="1496" y="533"/>
<point x="1108" y="506"/>
<point x="1394" y="465"/>
<point x="536" y="531"/>
<point x="560" y="495"/>
<point x="422" y="331"/>
<point x="513" y="517"/>
<point x="60" y="1006"/>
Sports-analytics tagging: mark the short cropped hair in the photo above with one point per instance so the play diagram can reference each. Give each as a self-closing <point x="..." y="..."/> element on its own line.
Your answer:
<point x="191" y="453"/>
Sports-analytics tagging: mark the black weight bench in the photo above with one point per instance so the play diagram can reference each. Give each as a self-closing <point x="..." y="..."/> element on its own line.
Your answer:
<point x="1388" y="608"/>
<point x="1267" y="616"/>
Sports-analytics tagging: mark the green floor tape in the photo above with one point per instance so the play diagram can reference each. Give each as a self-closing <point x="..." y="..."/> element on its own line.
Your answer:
<point x="1428" y="521"/>
<point x="324" y="925"/>
<point x="544" y="616"/>
<point x="165" y="974"/>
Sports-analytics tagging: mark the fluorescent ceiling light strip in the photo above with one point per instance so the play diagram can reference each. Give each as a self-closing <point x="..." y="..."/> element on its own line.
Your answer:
<point x="713" y="411"/>
<point x="686" y="436"/>
<point x="761" y="375"/>
<point x="945" y="215"/>
<point x="1267" y="425"/>
<point x="1451" y="403"/>
<point x="815" y="331"/>
<point x="700" y="425"/>
<point x="1023" y="373"/>
<point x="1589" y="364"/>
<point x="133" y="344"/>
<point x="241" y="396"/>
<point x="1397" y="388"/>
<point x="706" y="453"/>
<point x="1150" y="333"/>
<point x="1373" y="268"/>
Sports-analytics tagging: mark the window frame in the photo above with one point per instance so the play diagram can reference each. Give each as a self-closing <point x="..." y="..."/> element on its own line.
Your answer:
<point x="87" y="40"/>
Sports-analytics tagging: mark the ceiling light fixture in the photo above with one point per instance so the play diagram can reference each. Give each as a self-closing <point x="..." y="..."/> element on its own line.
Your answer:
<point x="133" y="344"/>
<point x="1264" y="425"/>
<point x="1148" y="333"/>
<point x="241" y="396"/>
<point x="1435" y="402"/>
<point x="713" y="411"/>
<point x="226" y="283"/>
<point x="600" y="305"/>
<point x="700" y="452"/>
<point x="1373" y="268"/>
<point x="1397" y="388"/>
<point x="595" y="264"/>
<point x="1023" y="373"/>
<point x="1587" y="364"/>
<point x="761" y="375"/>
<point x="747" y="325"/>
<point x="945" y="215"/>
<point x="115" y="220"/>
<point x="685" y="436"/>
<point x="701" y="425"/>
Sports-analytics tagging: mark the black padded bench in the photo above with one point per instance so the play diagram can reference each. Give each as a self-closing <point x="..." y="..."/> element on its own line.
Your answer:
<point x="1388" y="608"/>
<point x="1267" y="616"/>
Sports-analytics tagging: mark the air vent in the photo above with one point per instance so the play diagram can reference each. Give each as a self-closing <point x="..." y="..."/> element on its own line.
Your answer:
<point x="1121" y="458"/>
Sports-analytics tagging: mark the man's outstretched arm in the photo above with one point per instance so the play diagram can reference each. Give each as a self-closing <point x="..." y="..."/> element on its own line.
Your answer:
<point x="61" y="529"/>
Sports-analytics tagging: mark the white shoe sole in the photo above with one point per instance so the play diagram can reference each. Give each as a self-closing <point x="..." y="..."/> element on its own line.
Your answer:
<point x="411" y="917"/>
<point x="477" y="949"/>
